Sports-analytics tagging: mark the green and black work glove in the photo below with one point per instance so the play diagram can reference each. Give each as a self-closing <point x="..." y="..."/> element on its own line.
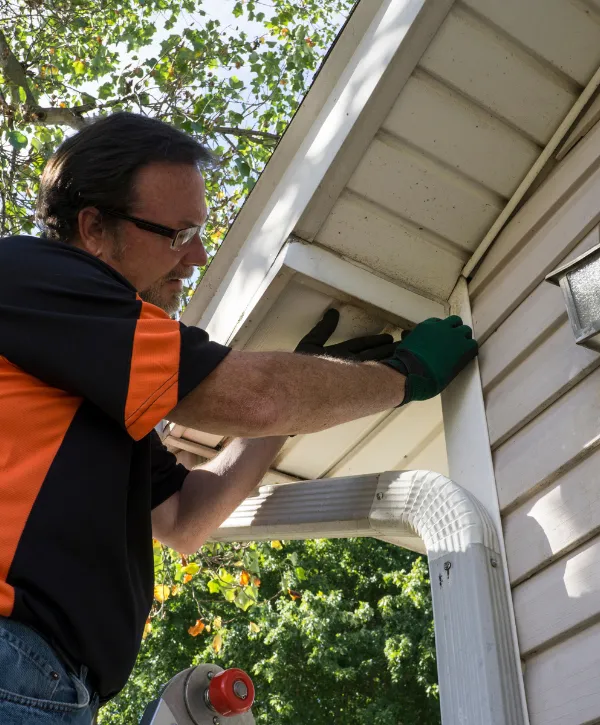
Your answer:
<point x="432" y="355"/>
<point x="358" y="349"/>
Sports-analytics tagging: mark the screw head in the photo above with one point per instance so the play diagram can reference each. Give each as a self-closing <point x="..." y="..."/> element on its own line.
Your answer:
<point x="448" y="566"/>
<point x="216" y="720"/>
<point x="494" y="563"/>
<point x="210" y="674"/>
<point x="240" y="689"/>
<point x="379" y="496"/>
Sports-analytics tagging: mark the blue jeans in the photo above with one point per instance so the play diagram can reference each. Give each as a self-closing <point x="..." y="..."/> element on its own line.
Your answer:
<point x="36" y="688"/>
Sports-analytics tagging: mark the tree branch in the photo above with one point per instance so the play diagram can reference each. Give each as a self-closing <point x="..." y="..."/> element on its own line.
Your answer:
<point x="13" y="163"/>
<point x="72" y="117"/>
<point x="32" y="111"/>
<point x="226" y="130"/>
<point x="14" y="73"/>
<point x="58" y="116"/>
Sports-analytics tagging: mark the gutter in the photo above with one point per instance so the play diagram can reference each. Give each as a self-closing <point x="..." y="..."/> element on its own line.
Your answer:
<point x="424" y="511"/>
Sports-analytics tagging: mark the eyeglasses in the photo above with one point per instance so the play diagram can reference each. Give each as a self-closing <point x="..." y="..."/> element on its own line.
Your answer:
<point x="178" y="237"/>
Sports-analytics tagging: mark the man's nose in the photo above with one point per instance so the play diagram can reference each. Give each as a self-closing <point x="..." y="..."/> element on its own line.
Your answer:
<point x="195" y="254"/>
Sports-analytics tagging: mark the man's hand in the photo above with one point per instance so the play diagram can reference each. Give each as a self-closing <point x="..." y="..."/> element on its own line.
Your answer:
<point x="358" y="349"/>
<point x="432" y="355"/>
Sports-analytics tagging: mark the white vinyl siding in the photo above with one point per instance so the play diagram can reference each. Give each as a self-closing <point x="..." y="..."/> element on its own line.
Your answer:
<point x="542" y="395"/>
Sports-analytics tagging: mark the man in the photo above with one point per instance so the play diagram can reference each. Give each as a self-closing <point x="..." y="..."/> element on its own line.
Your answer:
<point x="88" y="368"/>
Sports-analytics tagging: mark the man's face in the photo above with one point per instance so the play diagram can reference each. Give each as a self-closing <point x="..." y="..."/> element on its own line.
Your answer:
<point x="172" y="195"/>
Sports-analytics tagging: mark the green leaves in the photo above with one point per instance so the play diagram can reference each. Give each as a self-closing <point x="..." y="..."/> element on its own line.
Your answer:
<point x="300" y="573"/>
<point x="243" y="166"/>
<point x="214" y="586"/>
<point x="352" y="642"/>
<point x="243" y="600"/>
<point x="173" y="61"/>
<point x="251" y="561"/>
<point x="17" y="140"/>
<point x="235" y="82"/>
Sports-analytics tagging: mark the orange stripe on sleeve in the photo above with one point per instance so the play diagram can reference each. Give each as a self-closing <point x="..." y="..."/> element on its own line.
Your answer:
<point x="154" y="376"/>
<point x="33" y="419"/>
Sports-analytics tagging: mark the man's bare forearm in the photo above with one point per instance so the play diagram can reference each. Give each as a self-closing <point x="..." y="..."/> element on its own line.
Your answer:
<point x="213" y="491"/>
<point x="268" y="394"/>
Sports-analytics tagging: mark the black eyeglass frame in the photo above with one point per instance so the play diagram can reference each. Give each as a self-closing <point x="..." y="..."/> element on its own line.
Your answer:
<point x="173" y="234"/>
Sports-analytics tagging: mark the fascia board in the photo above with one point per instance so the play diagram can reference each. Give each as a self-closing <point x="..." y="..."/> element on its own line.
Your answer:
<point x="343" y="279"/>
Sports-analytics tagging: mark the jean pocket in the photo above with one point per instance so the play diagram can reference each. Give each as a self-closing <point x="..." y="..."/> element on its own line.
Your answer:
<point x="27" y="677"/>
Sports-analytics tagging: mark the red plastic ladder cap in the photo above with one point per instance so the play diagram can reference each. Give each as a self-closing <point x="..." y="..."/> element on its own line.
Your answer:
<point x="224" y="693"/>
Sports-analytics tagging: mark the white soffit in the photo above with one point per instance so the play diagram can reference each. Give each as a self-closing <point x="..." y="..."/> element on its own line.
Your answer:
<point x="427" y="130"/>
<point x="415" y="196"/>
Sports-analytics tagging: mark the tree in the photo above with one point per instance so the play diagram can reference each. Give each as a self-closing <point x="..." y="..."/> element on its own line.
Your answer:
<point x="62" y="62"/>
<point x="342" y="632"/>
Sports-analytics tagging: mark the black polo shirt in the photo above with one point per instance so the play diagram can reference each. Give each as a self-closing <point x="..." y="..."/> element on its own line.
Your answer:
<point x="87" y="369"/>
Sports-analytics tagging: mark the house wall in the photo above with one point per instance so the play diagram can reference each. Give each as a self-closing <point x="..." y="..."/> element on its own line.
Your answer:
<point x="542" y="395"/>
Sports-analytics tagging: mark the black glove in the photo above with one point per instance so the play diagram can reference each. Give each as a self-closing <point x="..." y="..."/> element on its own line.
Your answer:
<point x="432" y="355"/>
<point x="358" y="349"/>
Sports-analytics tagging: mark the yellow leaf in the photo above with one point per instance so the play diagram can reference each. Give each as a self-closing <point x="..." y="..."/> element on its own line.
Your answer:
<point x="238" y="563"/>
<point x="217" y="622"/>
<point x="62" y="104"/>
<point x="244" y="578"/>
<point x="276" y="545"/>
<point x="187" y="578"/>
<point x="191" y="569"/>
<point x="161" y="592"/>
<point x="254" y="627"/>
<point x="208" y="627"/>
<point x="197" y="628"/>
<point x="217" y="643"/>
<point x="147" y="629"/>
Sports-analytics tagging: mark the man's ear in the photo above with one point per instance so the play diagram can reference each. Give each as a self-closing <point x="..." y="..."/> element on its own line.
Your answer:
<point x="91" y="231"/>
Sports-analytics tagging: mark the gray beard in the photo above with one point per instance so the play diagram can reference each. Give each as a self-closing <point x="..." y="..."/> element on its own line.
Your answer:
<point x="157" y="295"/>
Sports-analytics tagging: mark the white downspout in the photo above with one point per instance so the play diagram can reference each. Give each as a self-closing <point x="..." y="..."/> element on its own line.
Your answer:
<point x="423" y="511"/>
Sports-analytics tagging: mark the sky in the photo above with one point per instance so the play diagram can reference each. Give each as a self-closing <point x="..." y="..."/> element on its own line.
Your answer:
<point x="221" y="10"/>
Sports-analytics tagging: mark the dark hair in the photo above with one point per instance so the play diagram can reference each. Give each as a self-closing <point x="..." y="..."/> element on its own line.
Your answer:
<point x="97" y="167"/>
